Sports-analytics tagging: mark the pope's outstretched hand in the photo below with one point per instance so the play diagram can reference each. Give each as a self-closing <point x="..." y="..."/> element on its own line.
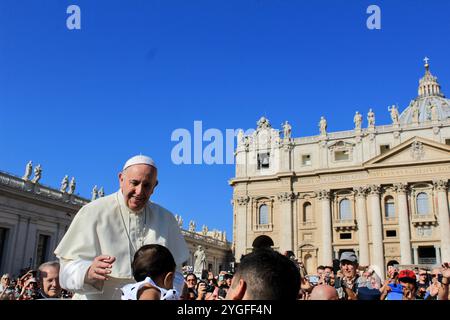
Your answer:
<point x="100" y="268"/>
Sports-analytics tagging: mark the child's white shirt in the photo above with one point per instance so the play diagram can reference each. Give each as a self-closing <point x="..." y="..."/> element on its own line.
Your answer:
<point x="129" y="291"/>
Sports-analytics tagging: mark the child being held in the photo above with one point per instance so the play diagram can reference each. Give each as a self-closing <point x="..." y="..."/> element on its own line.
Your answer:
<point x="154" y="270"/>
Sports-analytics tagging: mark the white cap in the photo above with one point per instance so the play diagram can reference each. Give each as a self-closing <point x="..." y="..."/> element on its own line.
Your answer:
<point x="140" y="159"/>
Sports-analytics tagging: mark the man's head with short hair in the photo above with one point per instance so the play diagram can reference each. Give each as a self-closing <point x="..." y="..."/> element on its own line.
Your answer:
<point x="265" y="274"/>
<point x="48" y="274"/>
<point x="138" y="180"/>
<point x="328" y="269"/>
<point x="349" y="264"/>
<point x="324" y="292"/>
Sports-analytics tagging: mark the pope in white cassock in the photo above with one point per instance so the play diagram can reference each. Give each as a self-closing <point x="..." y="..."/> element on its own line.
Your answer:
<point x="98" y="248"/>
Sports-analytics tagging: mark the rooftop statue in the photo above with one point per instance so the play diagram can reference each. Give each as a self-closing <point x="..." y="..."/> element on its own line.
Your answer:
<point x="323" y="126"/>
<point x="357" y="119"/>
<point x="28" y="170"/>
<point x="287" y="129"/>
<point x="371" y="118"/>
<point x="37" y="174"/>
<point x="94" y="193"/>
<point x="64" y="184"/>
<point x="72" y="186"/>
<point x="394" y="114"/>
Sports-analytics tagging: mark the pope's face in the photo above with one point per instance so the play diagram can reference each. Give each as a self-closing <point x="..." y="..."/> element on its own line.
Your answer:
<point x="137" y="184"/>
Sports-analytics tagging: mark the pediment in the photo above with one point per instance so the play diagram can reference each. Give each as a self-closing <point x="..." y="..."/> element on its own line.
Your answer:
<point x="413" y="151"/>
<point x="341" y="145"/>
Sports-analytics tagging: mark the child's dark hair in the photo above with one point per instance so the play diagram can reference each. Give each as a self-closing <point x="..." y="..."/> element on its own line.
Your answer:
<point x="152" y="260"/>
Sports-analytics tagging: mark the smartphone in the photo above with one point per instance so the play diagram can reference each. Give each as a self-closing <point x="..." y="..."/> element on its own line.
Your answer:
<point x="313" y="279"/>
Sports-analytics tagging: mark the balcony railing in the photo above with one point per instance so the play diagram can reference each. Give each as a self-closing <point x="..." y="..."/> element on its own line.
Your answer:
<point x="423" y="219"/>
<point x="391" y="219"/>
<point x="344" y="224"/>
<point x="263" y="227"/>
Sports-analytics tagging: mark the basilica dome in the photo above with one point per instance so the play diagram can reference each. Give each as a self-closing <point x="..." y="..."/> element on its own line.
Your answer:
<point x="430" y="97"/>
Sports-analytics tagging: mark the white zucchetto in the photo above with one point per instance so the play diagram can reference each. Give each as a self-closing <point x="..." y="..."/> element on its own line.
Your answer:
<point x="140" y="159"/>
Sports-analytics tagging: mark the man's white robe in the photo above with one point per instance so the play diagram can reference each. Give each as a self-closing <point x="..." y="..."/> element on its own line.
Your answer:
<point x="108" y="227"/>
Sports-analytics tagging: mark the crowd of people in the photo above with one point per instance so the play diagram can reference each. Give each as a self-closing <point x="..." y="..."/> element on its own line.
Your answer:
<point x="264" y="274"/>
<point x="349" y="281"/>
<point x="42" y="283"/>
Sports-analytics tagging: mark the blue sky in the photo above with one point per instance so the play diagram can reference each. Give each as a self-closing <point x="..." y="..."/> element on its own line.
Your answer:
<point x="80" y="102"/>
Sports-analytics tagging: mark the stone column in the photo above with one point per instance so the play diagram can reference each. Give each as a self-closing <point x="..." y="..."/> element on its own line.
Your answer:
<point x="286" y="237"/>
<point x="241" y="227"/>
<point x="377" y="231"/>
<point x="323" y="154"/>
<point x="403" y="222"/>
<point x="444" y="223"/>
<point x="286" y="155"/>
<point x="416" y="255"/>
<point x="438" y="254"/>
<point x="327" y="250"/>
<point x="361" y="217"/>
<point x="20" y="244"/>
<point x="31" y="245"/>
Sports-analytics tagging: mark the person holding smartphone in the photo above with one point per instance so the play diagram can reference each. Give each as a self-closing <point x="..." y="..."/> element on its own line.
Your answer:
<point x="347" y="286"/>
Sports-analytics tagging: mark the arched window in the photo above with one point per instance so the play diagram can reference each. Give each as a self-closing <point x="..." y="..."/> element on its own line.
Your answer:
<point x="307" y="212"/>
<point x="422" y="204"/>
<point x="345" y="210"/>
<point x="389" y="207"/>
<point x="263" y="214"/>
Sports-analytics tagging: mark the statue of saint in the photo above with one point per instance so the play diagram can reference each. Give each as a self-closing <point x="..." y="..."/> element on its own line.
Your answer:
<point x="323" y="126"/>
<point x="357" y="119"/>
<point x="94" y="193"/>
<point x="394" y="114"/>
<point x="101" y="193"/>
<point x="72" y="186"/>
<point x="64" y="184"/>
<point x="37" y="174"/>
<point x="192" y="226"/>
<point x="287" y="129"/>
<point x="200" y="260"/>
<point x="371" y="118"/>
<point x="28" y="170"/>
<point x="205" y="230"/>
